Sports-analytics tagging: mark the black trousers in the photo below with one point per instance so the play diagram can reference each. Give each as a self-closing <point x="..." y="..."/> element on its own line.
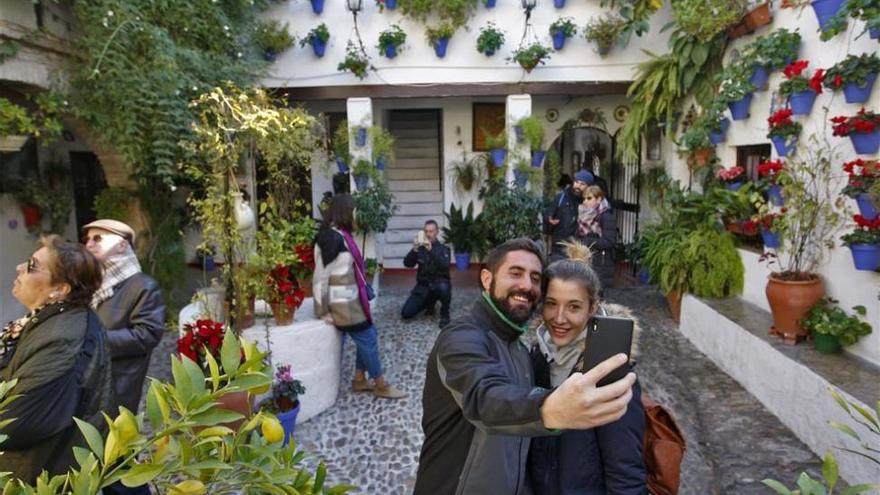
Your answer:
<point x="426" y="296"/>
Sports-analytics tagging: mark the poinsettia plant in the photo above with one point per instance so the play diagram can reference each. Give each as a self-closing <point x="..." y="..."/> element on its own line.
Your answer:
<point x="864" y="122"/>
<point x="283" y="287"/>
<point x="796" y="81"/>
<point x="731" y="175"/>
<point x="853" y="69"/>
<point x="769" y="172"/>
<point x="865" y="232"/>
<point x="782" y="125"/>
<point x="862" y="176"/>
<point x="200" y="338"/>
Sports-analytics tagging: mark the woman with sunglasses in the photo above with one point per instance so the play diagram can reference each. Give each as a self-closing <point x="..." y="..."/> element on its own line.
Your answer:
<point x="597" y="228"/>
<point x="58" y="355"/>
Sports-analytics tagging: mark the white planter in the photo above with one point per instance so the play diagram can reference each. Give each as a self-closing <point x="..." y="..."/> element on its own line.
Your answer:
<point x="12" y="143"/>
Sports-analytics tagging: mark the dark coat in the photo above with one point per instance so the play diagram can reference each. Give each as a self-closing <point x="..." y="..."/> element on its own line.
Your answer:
<point x="433" y="265"/>
<point x="479" y="407"/>
<point x="134" y="317"/>
<point x="603" y="247"/>
<point x="62" y="365"/>
<point x="599" y="461"/>
<point x="564" y="209"/>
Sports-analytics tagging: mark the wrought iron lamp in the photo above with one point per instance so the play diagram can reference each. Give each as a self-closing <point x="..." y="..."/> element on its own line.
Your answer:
<point x="355" y="6"/>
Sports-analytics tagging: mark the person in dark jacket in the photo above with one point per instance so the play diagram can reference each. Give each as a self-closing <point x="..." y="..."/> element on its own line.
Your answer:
<point x="598" y="230"/>
<point x="480" y="404"/>
<point x="432" y="277"/>
<point x="59" y="357"/>
<point x="562" y="222"/>
<point x="603" y="460"/>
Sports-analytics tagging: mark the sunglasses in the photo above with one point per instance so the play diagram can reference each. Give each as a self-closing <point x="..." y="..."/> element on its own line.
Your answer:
<point x="30" y="265"/>
<point x="97" y="238"/>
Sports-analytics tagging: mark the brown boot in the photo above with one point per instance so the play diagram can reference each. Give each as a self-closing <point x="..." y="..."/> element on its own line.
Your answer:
<point x="387" y="391"/>
<point x="362" y="385"/>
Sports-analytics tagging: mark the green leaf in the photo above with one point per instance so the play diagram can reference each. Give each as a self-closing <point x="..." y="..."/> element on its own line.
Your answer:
<point x="320" y="475"/>
<point x="93" y="437"/>
<point x="208" y="465"/>
<point x="215" y="417"/>
<point x="154" y="409"/>
<point x="215" y="371"/>
<point x="182" y="382"/>
<point x="866" y="414"/>
<point x="699" y="54"/>
<point x="829" y="470"/>
<point x="855" y="489"/>
<point x="141" y="474"/>
<point x="196" y="377"/>
<point x="250" y="380"/>
<point x="845" y="429"/>
<point x="230" y="353"/>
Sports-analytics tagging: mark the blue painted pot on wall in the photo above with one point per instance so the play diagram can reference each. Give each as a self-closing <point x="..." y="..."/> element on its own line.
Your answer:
<point x="341" y="165"/>
<point x="380" y="164"/>
<point x="269" y="55"/>
<point x="390" y="4"/>
<point x="318" y="46"/>
<point x="520" y="133"/>
<point x="781" y="145"/>
<point x="866" y="256"/>
<point x="361" y="182"/>
<point x="317" y="6"/>
<point x="391" y="51"/>
<point x="825" y="10"/>
<point x="498" y="156"/>
<point x="866" y="143"/>
<point x="490" y="4"/>
<point x="520" y="178"/>
<point x="739" y="110"/>
<point x="288" y="422"/>
<point x="801" y="103"/>
<point x="866" y="206"/>
<point x="774" y="194"/>
<point x="559" y="3"/>
<point x="462" y="261"/>
<point x="207" y="263"/>
<point x="361" y="136"/>
<point x="771" y="239"/>
<point x="874" y="33"/>
<point x="760" y="77"/>
<point x="734" y="186"/>
<point x="720" y="136"/>
<point x="440" y="47"/>
<point x="558" y="40"/>
<point x="489" y="52"/>
<point x="855" y="94"/>
<point x="538" y="158"/>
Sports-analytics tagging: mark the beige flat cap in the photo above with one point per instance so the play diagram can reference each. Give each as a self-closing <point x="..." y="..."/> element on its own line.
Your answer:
<point x="114" y="226"/>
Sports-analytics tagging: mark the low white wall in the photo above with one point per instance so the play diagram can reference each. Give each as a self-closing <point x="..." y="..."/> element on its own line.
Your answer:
<point x="798" y="396"/>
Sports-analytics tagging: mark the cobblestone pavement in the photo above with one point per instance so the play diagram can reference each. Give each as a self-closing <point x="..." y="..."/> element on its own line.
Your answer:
<point x="733" y="442"/>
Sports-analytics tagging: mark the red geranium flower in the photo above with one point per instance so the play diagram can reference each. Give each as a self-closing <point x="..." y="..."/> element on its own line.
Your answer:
<point x="795" y="68"/>
<point x="816" y="80"/>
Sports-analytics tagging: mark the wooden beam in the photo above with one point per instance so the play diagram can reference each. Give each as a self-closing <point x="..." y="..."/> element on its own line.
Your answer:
<point x="452" y="90"/>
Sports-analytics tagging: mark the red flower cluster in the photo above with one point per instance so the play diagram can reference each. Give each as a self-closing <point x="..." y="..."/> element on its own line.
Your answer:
<point x="199" y="336"/>
<point x="730" y="174"/>
<point x="780" y="119"/>
<point x="864" y="223"/>
<point x="795" y="68"/>
<point x="816" y="80"/>
<point x="864" y="122"/>
<point x="770" y="168"/>
<point x="306" y="256"/>
<point x="837" y="82"/>
<point x="870" y="168"/>
<point x="766" y="221"/>
<point x="285" y="287"/>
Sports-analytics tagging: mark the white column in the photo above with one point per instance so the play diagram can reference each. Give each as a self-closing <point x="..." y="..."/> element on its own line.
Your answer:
<point x="518" y="106"/>
<point x="360" y="116"/>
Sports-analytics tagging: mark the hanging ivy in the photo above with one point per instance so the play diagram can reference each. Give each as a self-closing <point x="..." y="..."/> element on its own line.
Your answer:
<point x="456" y="12"/>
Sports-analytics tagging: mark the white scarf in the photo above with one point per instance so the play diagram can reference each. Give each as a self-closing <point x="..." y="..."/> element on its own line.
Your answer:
<point x="561" y="359"/>
<point x="117" y="268"/>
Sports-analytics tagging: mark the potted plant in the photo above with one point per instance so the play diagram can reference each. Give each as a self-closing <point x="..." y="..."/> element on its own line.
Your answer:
<point x="383" y="147"/>
<point x="864" y="243"/>
<point x="285" y="399"/>
<point x="386" y="4"/>
<point x="768" y="180"/>
<point x="490" y="39"/>
<point x="533" y="132"/>
<point x="490" y="4"/>
<point x="528" y="57"/>
<point x="832" y="328"/>
<point x="356" y="61"/>
<point x="704" y="19"/>
<point x="362" y="171"/>
<point x="758" y="16"/>
<point x="825" y="10"/>
<point x="784" y="131"/>
<point x="732" y="178"/>
<point x="562" y="29"/>
<point x="524" y="174"/>
<point x="317" y="38"/>
<point x="468" y="172"/>
<point x="371" y="268"/>
<point x="862" y="175"/>
<point x="438" y="37"/>
<point x="464" y="232"/>
<point x="272" y="38"/>
<point x="736" y="91"/>
<point x="716" y="124"/>
<point x="341" y="147"/>
<point x="33" y="200"/>
<point x="768" y="224"/>
<point x="391" y="40"/>
<point x="497" y="144"/>
<point x="856" y="75"/>
<point x="800" y="91"/>
<point x="559" y="4"/>
<point x="605" y="31"/>
<point x="863" y="130"/>
<point x="205" y="256"/>
<point x="774" y="51"/>
<point x="696" y="142"/>
<point x="375" y="207"/>
<point x="317" y="6"/>
<point x="16" y="126"/>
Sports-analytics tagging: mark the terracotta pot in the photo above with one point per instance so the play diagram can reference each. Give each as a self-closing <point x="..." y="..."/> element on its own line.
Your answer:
<point x="738" y="30"/>
<point x="239" y="402"/>
<point x="790" y="300"/>
<point x="702" y="157"/>
<point x="32" y="215"/>
<point x="283" y="313"/>
<point x="734" y="227"/>
<point x="306" y="286"/>
<point x="673" y="299"/>
<point x="759" y="16"/>
<point x="244" y="315"/>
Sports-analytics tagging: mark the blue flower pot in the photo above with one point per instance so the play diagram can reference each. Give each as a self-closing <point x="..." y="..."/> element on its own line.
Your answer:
<point x="734" y="186"/>
<point x="380" y="164"/>
<point x="866" y="256"/>
<point x="520" y="133"/>
<point x="771" y="239"/>
<point x="739" y="110"/>
<point x="498" y="156"/>
<point x="720" y="136"/>
<point x="318" y="46"/>
<point x="269" y="55"/>
<point x="207" y="263"/>
<point x="781" y="145"/>
<point x="644" y="276"/>
<point x="538" y="158"/>
<point x="288" y="422"/>
<point x="462" y="261"/>
<point x="361" y="182"/>
<point x="825" y="10"/>
<point x="520" y="178"/>
<point x="559" y="3"/>
<point x="855" y="94"/>
<point x="801" y="103"/>
<point x="760" y="77"/>
<point x="391" y="51"/>
<point x="489" y="52"/>
<point x="558" y="40"/>
<point x="874" y="33"/>
<point x="317" y="6"/>
<point x="774" y="194"/>
<point x="866" y="143"/>
<point x="866" y="206"/>
<point x="490" y="4"/>
<point x="440" y="46"/>
<point x="361" y="136"/>
<point x="341" y="165"/>
<point x="390" y="4"/>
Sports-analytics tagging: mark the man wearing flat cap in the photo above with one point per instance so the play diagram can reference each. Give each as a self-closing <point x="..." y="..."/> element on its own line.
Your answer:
<point x="562" y="221"/>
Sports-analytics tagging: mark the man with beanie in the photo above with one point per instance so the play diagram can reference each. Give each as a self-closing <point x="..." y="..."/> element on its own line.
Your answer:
<point x="132" y="311"/>
<point x="562" y="221"/>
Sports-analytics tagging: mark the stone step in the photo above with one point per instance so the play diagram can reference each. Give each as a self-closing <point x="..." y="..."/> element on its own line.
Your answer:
<point x="430" y="185"/>
<point x="416" y="142"/>
<point x="408" y="198"/>
<point x="393" y="262"/>
<point x="413" y="173"/>
<point x="397" y="250"/>
<point x="416" y="162"/>
<point x="405" y="134"/>
<point x="433" y="208"/>
<point x="413" y="123"/>
<point x="406" y="236"/>
<point x="410" y="223"/>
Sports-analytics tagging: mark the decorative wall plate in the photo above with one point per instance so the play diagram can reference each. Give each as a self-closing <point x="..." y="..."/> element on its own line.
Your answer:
<point x="621" y="112"/>
<point x="551" y="115"/>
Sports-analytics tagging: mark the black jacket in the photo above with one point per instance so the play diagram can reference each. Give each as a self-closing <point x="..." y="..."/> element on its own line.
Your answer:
<point x="134" y="317"/>
<point x="479" y="407"/>
<point x="606" y="460"/>
<point x="603" y="247"/>
<point x="433" y="264"/>
<point x="564" y="209"/>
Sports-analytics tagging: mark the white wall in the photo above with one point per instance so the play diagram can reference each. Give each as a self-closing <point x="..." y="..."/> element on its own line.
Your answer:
<point x="578" y="61"/>
<point x="851" y="287"/>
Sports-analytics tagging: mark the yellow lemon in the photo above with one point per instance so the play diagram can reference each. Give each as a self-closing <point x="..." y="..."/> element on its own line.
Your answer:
<point x="656" y="4"/>
<point x="272" y="430"/>
<point x="190" y="487"/>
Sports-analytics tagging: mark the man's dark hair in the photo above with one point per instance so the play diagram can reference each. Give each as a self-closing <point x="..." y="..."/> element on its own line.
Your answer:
<point x="340" y="213"/>
<point x="499" y="254"/>
<point x="432" y="222"/>
<point x="564" y="181"/>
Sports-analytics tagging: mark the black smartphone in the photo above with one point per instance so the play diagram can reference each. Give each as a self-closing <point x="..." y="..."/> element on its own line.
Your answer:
<point x="607" y="336"/>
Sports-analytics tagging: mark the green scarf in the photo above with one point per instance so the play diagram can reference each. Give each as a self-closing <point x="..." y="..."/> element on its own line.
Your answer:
<point x="521" y="329"/>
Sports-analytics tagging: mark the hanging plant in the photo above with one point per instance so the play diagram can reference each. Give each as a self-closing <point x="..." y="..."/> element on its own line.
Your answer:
<point x="863" y="10"/>
<point x="317" y="38"/>
<point x="604" y="31"/>
<point x="272" y="38"/>
<point x="562" y="29"/>
<point x="456" y="12"/>
<point x="856" y="75"/>
<point x="490" y="39"/>
<point x="704" y="19"/>
<point x="356" y="62"/>
<point x="439" y="37"/>
<point x="800" y="91"/>
<point x="386" y="4"/>
<point x="528" y="57"/>
<point x="391" y="40"/>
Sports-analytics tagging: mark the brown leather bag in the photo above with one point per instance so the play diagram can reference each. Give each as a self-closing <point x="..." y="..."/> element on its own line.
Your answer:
<point x="663" y="450"/>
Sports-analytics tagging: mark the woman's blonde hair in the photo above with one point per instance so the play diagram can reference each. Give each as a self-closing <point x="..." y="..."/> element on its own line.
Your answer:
<point x="575" y="268"/>
<point x="595" y="191"/>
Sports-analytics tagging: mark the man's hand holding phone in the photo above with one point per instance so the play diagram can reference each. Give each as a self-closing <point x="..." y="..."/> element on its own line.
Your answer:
<point x="579" y="404"/>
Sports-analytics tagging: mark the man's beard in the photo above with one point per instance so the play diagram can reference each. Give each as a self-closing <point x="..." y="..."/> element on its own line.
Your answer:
<point x="517" y="314"/>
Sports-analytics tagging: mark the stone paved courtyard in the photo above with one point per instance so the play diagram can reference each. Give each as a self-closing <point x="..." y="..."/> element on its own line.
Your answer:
<point x="733" y="442"/>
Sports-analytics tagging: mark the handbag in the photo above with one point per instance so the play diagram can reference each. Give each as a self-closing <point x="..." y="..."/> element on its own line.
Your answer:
<point x="664" y="449"/>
